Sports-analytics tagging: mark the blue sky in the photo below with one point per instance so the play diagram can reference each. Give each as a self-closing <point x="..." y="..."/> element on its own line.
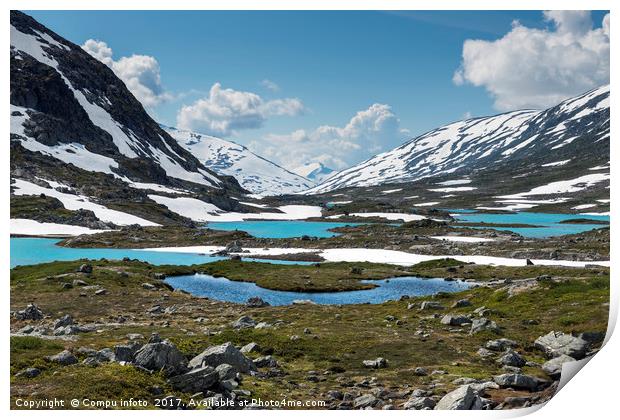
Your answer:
<point x="334" y="63"/>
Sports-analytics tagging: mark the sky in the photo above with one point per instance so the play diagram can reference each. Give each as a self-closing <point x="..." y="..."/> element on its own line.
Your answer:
<point x="339" y="87"/>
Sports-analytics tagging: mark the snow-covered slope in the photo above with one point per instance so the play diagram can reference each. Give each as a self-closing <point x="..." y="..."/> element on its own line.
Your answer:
<point x="254" y="173"/>
<point x="71" y="108"/>
<point x="572" y="131"/>
<point x="314" y="171"/>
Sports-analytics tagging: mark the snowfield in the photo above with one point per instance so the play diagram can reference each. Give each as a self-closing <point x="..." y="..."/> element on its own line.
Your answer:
<point x="77" y="202"/>
<point x="33" y="228"/>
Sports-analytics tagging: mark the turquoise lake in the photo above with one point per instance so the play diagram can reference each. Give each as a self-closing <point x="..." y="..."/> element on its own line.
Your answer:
<point x="549" y="222"/>
<point x="281" y="228"/>
<point x="220" y="288"/>
<point x="26" y="251"/>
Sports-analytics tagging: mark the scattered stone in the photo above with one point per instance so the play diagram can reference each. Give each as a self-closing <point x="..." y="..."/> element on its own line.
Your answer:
<point x="484" y="353"/>
<point x="63" y="322"/>
<point x="419" y="403"/>
<point x="483" y="324"/>
<point x="197" y="380"/>
<point x="307" y="331"/>
<point x="64" y="358"/>
<point x="148" y="286"/>
<point x="29" y="373"/>
<point x="261" y="325"/>
<point x="224" y="353"/>
<point x="511" y="358"/>
<point x="101" y="292"/>
<point x="501" y="344"/>
<point x="162" y="355"/>
<point x="266" y="361"/>
<point x="461" y="303"/>
<point x="366" y="400"/>
<point x="244" y="322"/>
<point x="377" y="363"/>
<point x="420" y="371"/>
<point x="455" y="320"/>
<point x="32" y="312"/>
<point x="251" y="348"/>
<point x="464" y="381"/>
<point x="295" y="338"/>
<point x="553" y="367"/>
<point x="556" y="344"/>
<point x="462" y="398"/>
<point x="517" y="380"/>
<point x="431" y="305"/>
<point x="134" y="336"/>
<point x="85" y="268"/>
<point x="256" y="302"/>
<point x="79" y="283"/>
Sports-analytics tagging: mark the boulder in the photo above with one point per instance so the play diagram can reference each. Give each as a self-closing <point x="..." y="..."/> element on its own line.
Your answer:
<point x="511" y="358"/>
<point x="455" y="320"/>
<point x="419" y="403"/>
<point x="462" y="398"/>
<point x="461" y="303"/>
<point x="32" y="312"/>
<point x="196" y="380"/>
<point x="377" y="363"/>
<point x="161" y="355"/>
<point x="85" y="268"/>
<point x="431" y="305"/>
<point x="556" y="344"/>
<point x="483" y="324"/>
<point x="553" y="367"/>
<point x="266" y="361"/>
<point x="366" y="400"/>
<point x="29" y="373"/>
<point x="125" y="352"/>
<point x="63" y="322"/>
<point x="244" y="322"/>
<point x="256" y="302"/>
<point x="224" y="353"/>
<point x="64" y="358"/>
<point x="517" y="380"/>
<point x="501" y="344"/>
<point x="226" y="371"/>
<point x="251" y="348"/>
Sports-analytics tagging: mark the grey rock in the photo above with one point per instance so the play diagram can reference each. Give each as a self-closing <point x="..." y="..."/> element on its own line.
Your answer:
<point x="266" y="361"/>
<point x="32" y="312"/>
<point x="197" y="380"/>
<point x="420" y="371"/>
<point x="250" y="348"/>
<point x="377" y="363"/>
<point x="229" y="384"/>
<point x="63" y="322"/>
<point x="256" y="302"/>
<point x="148" y="286"/>
<point x="455" y="320"/>
<point x="64" y="358"/>
<point x="553" y="367"/>
<point x="483" y="324"/>
<point x="431" y="305"/>
<point x="511" y="358"/>
<point x="224" y="353"/>
<point x="29" y="373"/>
<point x="125" y="352"/>
<point x="226" y="371"/>
<point x="462" y="398"/>
<point x="484" y="353"/>
<point x="85" y="268"/>
<point x="461" y="303"/>
<point x="556" y="344"/>
<point x="516" y="380"/>
<point x="501" y="344"/>
<point x="366" y="400"/>
<point x="419" y="403"/>
<point x="161" y="355"/>
<point x="244" y="322"/>
<point x="101" y="292"/>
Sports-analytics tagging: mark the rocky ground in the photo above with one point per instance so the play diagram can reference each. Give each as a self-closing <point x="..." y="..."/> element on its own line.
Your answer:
<point x="114" y="329"/>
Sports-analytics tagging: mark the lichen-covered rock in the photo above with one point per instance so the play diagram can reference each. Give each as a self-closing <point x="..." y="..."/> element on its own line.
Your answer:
<point x="462" y="398"/>
<point x="224" y="353"/>
<point x="197" y="380"/>
<point x="553" y="367"/>
<point x="556" y="344"/>
<point x="161" y="355"/>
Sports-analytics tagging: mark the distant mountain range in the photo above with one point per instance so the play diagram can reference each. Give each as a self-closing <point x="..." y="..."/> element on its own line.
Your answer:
<point x="314" y="171"/>
<point x="575" y="132"/>
<point x="256" y="174"/>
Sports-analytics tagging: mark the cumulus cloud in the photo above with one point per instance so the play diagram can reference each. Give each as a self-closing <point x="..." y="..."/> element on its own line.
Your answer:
<point x="268" y="84"/>
<point x="370" y="131"/>
<point x="537" y="68"/>
<point x="225" y="111"/>
<point x="139" y="72"/>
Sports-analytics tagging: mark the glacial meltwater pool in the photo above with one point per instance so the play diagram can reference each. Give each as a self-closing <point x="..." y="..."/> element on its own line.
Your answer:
<point x="281" y="228"/>
<point x="27" y="251"/>
<point x="220" y="288"/>
<point x="549" y="222"/>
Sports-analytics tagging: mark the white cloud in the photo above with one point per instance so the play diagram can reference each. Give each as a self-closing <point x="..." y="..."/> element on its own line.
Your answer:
<point x="225" y="111"/>
<point x="369" y="132"/>
<point x="139" y="72"/>
<point x="537" y="68"/>
<point x="268" y="84"/>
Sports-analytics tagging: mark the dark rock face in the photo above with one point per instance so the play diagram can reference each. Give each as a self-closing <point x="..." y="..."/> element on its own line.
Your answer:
<point x="161" y="355"/>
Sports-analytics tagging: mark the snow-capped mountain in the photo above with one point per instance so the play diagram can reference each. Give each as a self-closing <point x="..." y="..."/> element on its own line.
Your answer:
<point x="67" y="108"/>
<point x="256" y="174"/>
<point x="575" y="131"/>
<point x="314" y="171"/>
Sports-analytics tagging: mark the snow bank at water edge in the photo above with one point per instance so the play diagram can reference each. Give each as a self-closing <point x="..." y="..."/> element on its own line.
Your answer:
<point x="77" y="202"/>
<point x="34" y="228"/>
<point x="201" y="211"/>
<point x="379" y="256"/>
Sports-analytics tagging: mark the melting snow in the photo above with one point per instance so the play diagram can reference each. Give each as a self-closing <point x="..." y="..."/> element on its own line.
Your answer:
<point x="34" y="228"/>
